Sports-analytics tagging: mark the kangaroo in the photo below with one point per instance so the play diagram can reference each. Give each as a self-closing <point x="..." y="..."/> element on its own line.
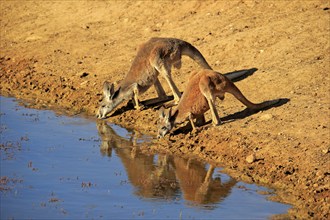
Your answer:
<point x="199" y="96"/>
<point x="155" y="57"/>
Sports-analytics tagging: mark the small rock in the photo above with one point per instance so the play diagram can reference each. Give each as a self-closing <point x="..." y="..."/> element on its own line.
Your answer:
<point x="33" y="38"/>
<point x="83" y="83"/>
<point x="251" y="158"/>
<point x="325" y="150"/>
<point x="266" y="117"/>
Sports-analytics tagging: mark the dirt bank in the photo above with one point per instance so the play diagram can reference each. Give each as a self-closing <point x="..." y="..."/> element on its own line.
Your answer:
<point x="58" y="54"/>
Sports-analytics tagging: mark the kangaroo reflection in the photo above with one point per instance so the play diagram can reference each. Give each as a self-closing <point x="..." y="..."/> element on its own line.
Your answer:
<point x="151" y="180"/>
<point x="163" y="178"/>
<point x="197" y="184"/>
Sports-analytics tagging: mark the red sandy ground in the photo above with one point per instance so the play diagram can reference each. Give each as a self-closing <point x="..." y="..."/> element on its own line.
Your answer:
<point x="58" y="53"/>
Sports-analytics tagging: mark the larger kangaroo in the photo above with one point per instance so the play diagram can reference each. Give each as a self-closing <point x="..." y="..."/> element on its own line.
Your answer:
<point x="155" y="57"/>
<point x="199" y="96"/>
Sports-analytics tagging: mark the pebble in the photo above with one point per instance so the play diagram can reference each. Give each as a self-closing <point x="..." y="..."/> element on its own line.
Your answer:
<point x="251" y="158"/>
<point x="325" y="150"/>
<point x="266" y="117"/>
<point x="83" y="83"/>
<point x="33" y="38"/>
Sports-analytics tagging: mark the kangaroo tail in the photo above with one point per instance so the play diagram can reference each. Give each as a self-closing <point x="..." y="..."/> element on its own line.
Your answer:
<point x="232" y="89"/>
<point x="192" y="52"/>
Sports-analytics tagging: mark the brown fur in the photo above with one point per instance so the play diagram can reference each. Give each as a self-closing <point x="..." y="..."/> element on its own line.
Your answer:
<point x="155" y="57"/>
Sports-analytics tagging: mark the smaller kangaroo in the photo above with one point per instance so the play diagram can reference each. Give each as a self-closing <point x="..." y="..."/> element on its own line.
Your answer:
<point x="199" y="96"/>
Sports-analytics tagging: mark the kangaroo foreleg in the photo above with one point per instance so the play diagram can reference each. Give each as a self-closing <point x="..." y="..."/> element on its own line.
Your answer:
<point x="136" y="96"/>
<point x="191" y="119"/>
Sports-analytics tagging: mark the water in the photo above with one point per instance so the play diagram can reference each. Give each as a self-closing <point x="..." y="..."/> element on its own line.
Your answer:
<point x="58" y="167"/>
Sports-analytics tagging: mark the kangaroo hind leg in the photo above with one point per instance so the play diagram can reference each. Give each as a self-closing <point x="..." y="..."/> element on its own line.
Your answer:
<point x="215" y="116"/>
<point x="206" y="86"/>
<point x="166" y="73"/>
<point x="160" y="90"/>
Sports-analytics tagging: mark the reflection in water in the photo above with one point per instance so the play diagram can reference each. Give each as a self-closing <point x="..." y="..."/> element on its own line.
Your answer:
<point x="151" y="180"/>
<point x="164" y="178"/>
<point x="197" y="183"/>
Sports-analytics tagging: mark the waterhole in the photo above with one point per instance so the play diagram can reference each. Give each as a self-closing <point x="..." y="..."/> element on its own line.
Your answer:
<point x="59" y="167"/>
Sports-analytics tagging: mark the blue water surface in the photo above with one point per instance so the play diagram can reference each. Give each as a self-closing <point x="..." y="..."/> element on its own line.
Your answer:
<point x="59" y="167"/>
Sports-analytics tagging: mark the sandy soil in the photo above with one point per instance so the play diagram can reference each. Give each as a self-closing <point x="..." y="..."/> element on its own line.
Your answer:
<point x="58" y="53"/>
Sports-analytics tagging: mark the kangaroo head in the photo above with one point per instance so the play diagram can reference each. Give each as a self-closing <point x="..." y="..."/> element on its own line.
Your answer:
<point x="109" y="101"/>
<point x="166" y="122"/>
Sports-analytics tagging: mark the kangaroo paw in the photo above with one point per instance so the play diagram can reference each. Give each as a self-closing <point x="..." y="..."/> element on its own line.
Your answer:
<point x="139" y="107"/>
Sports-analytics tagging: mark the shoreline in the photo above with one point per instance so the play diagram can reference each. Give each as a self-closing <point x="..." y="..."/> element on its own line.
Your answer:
<point x="60" y="61"/>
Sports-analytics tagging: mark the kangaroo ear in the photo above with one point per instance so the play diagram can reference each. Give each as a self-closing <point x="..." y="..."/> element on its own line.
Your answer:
<point x="115" y="94"/>
<point x="162" y="112"/>
<point x="168" y="116"/>
<point x="172" y="117"/>
<point x="108" y="89"/>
